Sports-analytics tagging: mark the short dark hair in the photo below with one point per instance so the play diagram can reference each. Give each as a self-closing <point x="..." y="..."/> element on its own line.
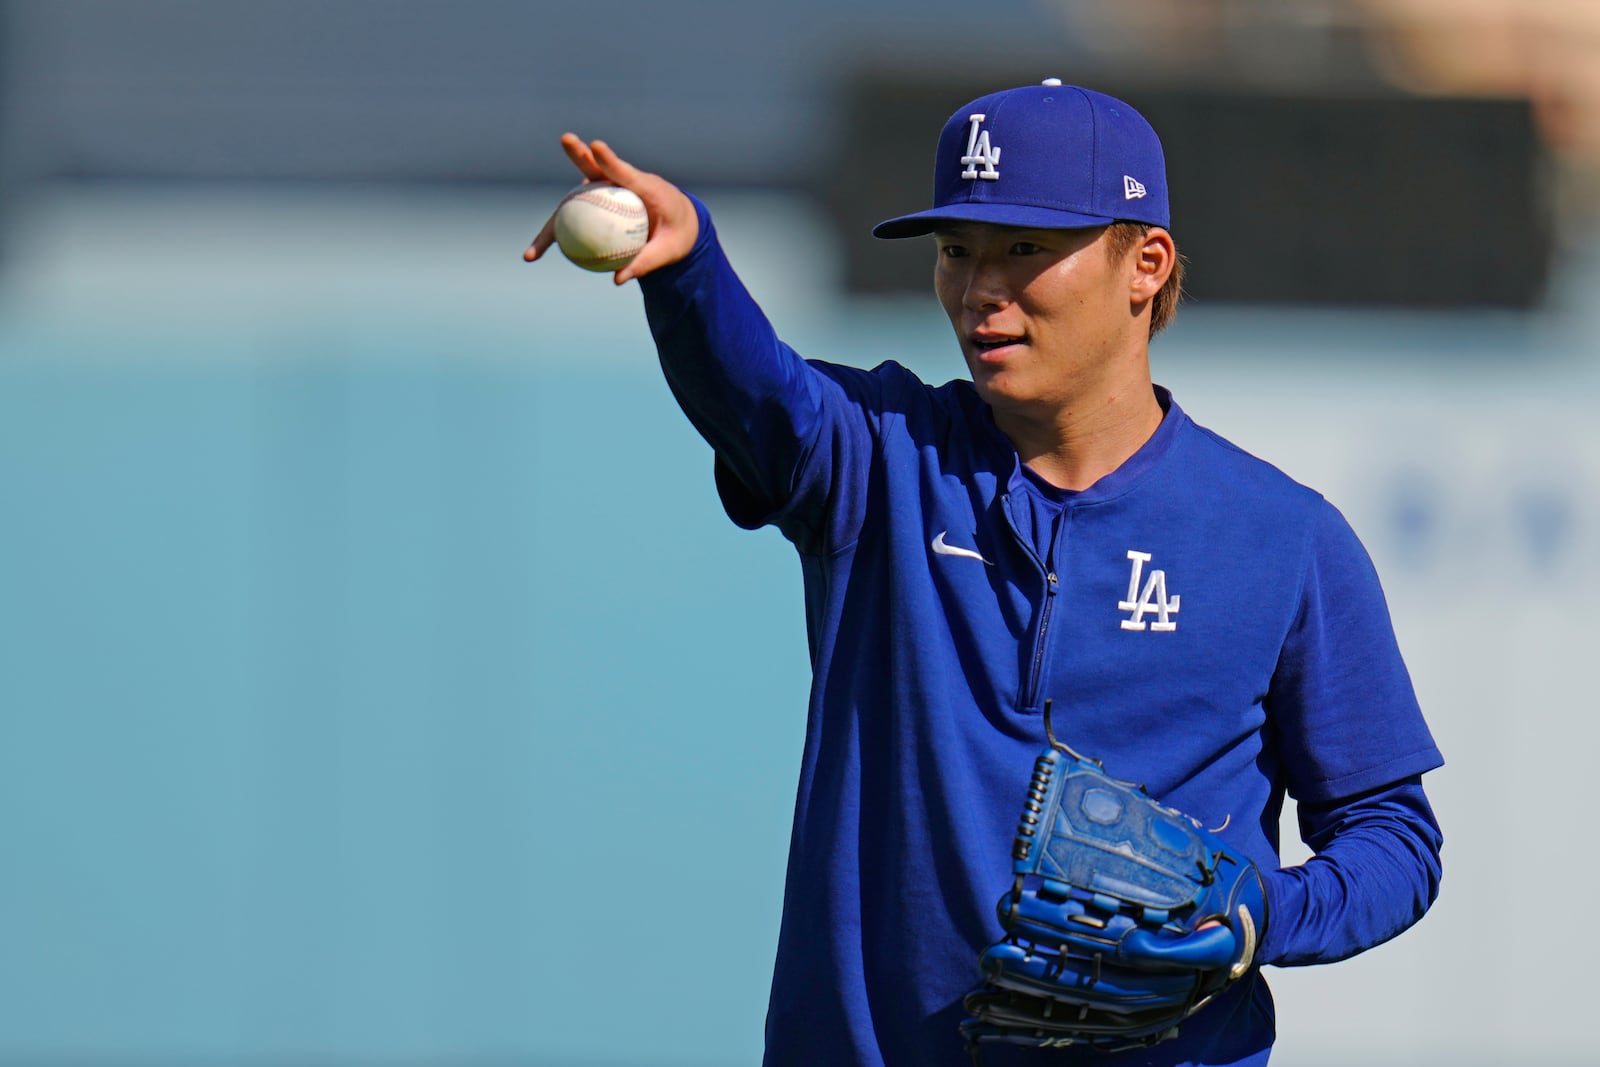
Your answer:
<point x="1120" y="239"/>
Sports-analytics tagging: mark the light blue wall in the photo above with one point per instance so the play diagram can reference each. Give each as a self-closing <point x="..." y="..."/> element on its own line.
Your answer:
<point x="372" y="708"/>
<point x="367" y="699"/>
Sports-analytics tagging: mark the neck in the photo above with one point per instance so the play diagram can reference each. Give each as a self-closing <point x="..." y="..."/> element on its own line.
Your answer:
<point x="1075" y="444"/>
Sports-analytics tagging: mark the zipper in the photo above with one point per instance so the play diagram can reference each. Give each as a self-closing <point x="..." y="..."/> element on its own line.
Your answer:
<point x="1052" y="585"/>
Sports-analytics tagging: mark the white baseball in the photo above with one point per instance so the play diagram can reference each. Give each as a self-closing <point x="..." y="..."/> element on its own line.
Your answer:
<point x="601" y="226"/>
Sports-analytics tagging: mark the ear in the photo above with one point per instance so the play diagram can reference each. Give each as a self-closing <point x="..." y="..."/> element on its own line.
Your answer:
<point x="1151" y="265"/>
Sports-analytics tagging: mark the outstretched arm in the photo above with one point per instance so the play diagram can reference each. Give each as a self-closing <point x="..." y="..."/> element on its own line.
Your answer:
<point x="790" y="441"/>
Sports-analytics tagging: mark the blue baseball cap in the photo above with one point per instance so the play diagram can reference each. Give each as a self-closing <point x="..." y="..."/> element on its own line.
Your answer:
<point x="1048" y="156"/>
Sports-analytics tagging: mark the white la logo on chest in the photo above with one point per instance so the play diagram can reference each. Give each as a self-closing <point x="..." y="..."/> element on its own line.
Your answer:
<point x="979" y="152"/>
<point x="1152" y="598"/>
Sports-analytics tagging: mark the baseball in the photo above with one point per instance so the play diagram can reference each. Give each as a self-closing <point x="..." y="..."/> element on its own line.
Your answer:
<point x="601" y="226"/>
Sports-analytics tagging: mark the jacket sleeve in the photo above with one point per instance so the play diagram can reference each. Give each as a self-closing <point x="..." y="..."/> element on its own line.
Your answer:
<point x="1376" y="871"/>
<point x="1354" y="746"/>
<point x="789" y="441"/>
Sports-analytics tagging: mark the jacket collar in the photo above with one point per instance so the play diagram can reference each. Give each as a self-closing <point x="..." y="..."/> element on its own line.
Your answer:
<point x="1118" y="481"/>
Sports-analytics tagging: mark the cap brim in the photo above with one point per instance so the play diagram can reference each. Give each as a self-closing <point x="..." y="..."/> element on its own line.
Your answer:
<point x="1033" y="218"/>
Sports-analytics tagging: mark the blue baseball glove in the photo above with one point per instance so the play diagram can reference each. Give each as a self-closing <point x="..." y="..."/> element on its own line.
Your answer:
<point x="1103" y="944"/>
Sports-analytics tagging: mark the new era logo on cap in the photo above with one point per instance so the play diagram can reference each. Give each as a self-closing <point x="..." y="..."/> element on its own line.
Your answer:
<point x="1070" y="159"/>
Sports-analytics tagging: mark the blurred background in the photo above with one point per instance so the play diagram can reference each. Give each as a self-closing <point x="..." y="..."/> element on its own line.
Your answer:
<point x="380" y="683"/>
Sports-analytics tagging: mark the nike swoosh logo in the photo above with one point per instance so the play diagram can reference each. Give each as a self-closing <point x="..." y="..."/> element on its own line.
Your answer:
<point x="942" y="549"/>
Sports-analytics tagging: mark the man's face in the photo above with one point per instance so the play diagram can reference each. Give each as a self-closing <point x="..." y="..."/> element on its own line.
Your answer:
<point x="1040" y="314"/>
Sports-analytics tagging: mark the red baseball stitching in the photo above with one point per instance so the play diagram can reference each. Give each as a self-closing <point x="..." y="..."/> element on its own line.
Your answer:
<point x="608" y="257"/>
<point x="606" y="203"/>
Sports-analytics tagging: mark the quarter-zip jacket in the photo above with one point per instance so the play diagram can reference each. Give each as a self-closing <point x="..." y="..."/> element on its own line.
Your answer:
<point x="1203" y="625"/>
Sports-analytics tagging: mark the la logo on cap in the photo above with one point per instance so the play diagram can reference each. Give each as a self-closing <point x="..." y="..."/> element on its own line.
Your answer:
<point x="979" y="152"/>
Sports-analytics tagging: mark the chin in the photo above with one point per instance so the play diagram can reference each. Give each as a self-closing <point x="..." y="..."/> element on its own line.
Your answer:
<point x="999" y="399"/>
<point x="992" y="390"/>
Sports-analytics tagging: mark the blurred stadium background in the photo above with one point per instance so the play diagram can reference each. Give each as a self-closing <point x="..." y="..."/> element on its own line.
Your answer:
<point x="379" y="683"/>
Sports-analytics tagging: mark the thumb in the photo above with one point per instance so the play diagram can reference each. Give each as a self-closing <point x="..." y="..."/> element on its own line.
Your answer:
<point x="1210" y="948"/>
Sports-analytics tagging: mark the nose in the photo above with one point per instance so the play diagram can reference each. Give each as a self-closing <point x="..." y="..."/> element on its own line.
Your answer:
<point x="985" y="287"/>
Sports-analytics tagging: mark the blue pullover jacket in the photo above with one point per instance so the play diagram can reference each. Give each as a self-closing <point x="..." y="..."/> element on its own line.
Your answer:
<point x="1203" y="624"/>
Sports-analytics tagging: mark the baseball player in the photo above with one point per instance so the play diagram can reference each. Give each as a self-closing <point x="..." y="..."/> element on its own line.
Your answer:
<point x="1050" y="530"/>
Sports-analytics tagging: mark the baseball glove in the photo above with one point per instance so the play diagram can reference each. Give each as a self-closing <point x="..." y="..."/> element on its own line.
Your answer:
<point x="1103" y="944"/>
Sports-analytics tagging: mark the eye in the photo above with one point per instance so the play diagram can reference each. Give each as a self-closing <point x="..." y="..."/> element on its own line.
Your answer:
<point x="1025" y="248"/>
<point x="952" y="251"/>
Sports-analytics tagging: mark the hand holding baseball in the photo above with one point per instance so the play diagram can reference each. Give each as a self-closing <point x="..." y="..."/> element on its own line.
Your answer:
<point x="673" y="223"/>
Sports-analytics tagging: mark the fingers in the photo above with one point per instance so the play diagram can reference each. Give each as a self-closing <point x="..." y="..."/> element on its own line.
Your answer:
<point x="613" y="167"/>
<point x="582" y="157"/>
<point x="541" y="241"/>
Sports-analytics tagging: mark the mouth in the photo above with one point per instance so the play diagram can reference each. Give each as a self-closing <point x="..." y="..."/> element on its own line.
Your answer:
<point x="992" y="348"/>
